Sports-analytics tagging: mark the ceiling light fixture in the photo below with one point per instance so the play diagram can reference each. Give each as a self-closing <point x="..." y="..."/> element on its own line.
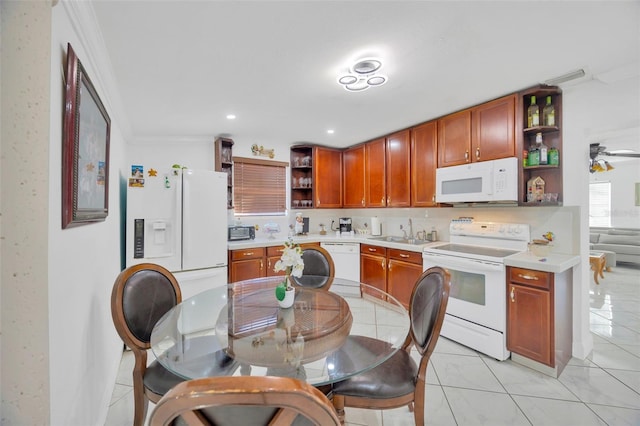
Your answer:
<point x="362" y="75"/>
<point x="231" y="117"/>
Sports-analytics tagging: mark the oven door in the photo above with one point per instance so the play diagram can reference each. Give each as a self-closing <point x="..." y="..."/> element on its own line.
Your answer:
<point x="478" y="289"/>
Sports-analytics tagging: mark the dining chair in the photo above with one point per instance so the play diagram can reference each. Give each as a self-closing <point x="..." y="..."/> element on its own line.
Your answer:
<point x="141" y="295"/>
<point x="319" y="269"/>
<point x="241" y="401"/>
<point x="399" y="381"/>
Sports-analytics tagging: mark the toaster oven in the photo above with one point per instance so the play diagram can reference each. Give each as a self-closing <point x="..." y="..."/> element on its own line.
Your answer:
<point x="238" y="233"/>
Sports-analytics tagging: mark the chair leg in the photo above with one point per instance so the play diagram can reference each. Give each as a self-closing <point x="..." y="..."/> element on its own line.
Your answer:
<point x="140" y="405"/>
<point x="338" y="404"/>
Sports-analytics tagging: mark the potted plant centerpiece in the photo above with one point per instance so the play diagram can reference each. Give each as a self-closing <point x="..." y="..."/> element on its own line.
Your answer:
<point x="290" y="262"/>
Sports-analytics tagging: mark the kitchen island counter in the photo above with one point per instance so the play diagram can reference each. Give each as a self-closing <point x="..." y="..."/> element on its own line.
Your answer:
<point x="553" y="262"/>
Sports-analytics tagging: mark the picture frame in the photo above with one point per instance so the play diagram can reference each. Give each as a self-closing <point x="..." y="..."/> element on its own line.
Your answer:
<point x="85" y="149"/>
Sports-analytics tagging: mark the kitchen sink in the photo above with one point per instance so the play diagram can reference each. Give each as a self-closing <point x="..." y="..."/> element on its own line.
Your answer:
<point x="402" y="240"/>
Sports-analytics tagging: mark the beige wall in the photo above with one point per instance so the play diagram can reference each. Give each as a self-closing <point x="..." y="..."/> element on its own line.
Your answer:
<point x="24" y="166"/>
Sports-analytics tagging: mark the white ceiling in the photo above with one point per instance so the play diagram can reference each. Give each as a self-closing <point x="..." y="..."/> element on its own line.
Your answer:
<point x="182" y="66"/>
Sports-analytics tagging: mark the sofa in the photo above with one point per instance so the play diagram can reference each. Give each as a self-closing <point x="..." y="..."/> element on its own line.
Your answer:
<point x="624" y="242"/>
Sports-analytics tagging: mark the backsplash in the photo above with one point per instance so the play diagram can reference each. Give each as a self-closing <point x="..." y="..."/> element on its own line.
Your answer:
<point x="562" y="221"/>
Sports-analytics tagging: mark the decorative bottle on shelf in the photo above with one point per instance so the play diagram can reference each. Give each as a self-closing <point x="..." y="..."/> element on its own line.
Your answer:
<point x="533" y="114"/>
<point x="549" y="113"/>
<point x="553" y="156"/>
<point x="533" y="159"/>
<point x="542" y="150"/>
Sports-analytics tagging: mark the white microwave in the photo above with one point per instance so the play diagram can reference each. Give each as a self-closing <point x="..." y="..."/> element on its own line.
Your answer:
<point x="486" y="181"/>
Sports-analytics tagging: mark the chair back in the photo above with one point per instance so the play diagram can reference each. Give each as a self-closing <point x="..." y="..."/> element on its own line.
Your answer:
<point x="241" y="401"/>
<point x="319" y="269"/>
<point x="141" y="295"/>
<point x="427" y="308"/>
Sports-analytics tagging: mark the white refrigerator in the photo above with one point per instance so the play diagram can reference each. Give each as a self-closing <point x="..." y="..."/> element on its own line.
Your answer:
<point x="177" y="218"/>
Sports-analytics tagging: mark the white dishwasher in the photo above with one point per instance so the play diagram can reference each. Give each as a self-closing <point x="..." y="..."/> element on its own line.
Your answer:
<point x="346" y="259"/>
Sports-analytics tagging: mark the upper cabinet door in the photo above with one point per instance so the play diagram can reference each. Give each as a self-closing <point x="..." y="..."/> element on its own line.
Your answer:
<point x="399" y="169"/>
<point x="454" y="139"/>
<point x="327" y="177"/>
<point x="424" y="160"/>
<point x="375" y="173"/>
<point x="354" y="176"/>
<point x="493" y="129"/>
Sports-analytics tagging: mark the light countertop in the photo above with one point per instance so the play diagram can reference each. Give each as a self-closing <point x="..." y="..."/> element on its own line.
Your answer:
<point x="553" y="262"/>
<point x="329" y="238"/>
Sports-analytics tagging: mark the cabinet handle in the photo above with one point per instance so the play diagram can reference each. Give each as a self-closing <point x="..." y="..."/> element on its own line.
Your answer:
<point x="477" y="153"/>
<point x="466" y="155"/>
<point x="248" y="253"/>
<point x="382" y="201"/>
<point x="261" y="265"/>
<point x="433" y="199"/>
<point x="269" y="263"/>
<point x="318" y="202"/>
<point x="404" y="255"/>
<point x="372" y="250"/>
<point x="362" y="202"/>
<point x="513" y="294"/>
<point x="383" y="264"/>
<point x="388" y="201"/>
<point x="528" y="277"/>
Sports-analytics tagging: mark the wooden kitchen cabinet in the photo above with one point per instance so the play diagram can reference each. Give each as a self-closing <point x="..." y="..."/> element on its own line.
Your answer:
<point x="373" y="266"/>
<point x="246" y="264"/>
<point x="223" y="163"/>
<point x="404" y="269"/>
<point x="327" y="177"/>
<point x="301" y="176"/>
<point x="353" y="171"/>
<point x="375" y="173"/>
<point x="424" y="160"/>
<point x="484" y="132"/>
<point x="552" y="137"/>
<point x="249" y="263"/>
<point x="454" y="139"/>
<point x="273" y="255"/>
<point x="493" y="129"/>
<point x="539" y="318"/>
<point x="391" y="270"/>
<point x="398" y="169"/>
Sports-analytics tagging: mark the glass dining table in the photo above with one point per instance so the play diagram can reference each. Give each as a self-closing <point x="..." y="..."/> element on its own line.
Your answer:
<point x="239" y="329"/>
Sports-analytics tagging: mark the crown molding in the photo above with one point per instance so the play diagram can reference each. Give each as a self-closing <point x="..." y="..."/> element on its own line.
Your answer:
<point x="96" y="58"/>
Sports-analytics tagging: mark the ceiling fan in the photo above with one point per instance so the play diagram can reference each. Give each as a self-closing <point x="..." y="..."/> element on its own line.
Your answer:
<point x="600" y="165"/>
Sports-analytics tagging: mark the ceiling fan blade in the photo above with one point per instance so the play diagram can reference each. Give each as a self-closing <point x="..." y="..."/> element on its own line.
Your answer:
<point x="621" y="154"/>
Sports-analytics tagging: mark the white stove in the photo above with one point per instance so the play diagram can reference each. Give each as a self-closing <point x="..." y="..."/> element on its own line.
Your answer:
<point x="476" y="311"/>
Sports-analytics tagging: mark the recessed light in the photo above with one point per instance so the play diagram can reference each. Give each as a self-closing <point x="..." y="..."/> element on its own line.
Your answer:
<point x="330" y="131"/>
<point x="231" y="117"/>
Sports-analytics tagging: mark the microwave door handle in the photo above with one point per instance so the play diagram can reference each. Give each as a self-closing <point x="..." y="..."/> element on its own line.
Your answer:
<point x="491" y="183"/>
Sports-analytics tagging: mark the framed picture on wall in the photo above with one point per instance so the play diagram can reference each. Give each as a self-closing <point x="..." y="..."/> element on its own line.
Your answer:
<point x="85" y="149"/>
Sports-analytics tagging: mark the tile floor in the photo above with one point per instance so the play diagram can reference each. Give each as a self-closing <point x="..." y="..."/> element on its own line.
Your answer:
<point x="468" y="388"/>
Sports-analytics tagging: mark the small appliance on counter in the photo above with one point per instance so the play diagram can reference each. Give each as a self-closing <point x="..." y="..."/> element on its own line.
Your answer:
<point x="345" y="225"/>
<point x="241" y="232"/>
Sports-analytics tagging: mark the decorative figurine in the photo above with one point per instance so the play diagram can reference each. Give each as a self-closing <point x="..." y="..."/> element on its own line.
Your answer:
<point x="299" y="226"/>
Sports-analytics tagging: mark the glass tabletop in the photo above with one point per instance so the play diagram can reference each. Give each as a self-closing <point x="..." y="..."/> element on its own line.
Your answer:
<point x="239" y="329"/>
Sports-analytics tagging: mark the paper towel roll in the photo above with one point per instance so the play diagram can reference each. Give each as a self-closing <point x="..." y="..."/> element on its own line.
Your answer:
<point x="376" y="226"/>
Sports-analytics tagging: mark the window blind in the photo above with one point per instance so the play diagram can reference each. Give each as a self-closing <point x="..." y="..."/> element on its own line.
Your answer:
<point x="600" y="204"/>
<point x="259" y="187"/>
